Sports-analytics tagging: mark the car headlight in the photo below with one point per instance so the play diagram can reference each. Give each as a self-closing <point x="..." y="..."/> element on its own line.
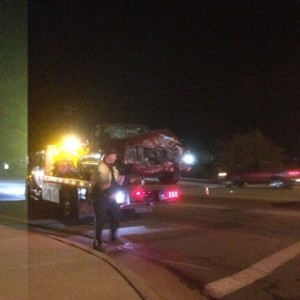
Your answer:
<point x="188" y="158"/>
<point x="222" y="174"/>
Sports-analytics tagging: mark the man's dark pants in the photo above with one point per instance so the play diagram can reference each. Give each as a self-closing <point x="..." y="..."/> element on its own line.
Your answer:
<point x="106" y="211"/>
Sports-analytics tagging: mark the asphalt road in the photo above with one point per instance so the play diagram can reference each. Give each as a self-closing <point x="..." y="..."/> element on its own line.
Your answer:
<point x="231" y="244"/>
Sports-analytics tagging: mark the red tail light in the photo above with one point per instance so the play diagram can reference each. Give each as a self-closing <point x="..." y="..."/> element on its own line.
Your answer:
<point x="294" y="173"/>
<point x="171" y="194"/>
<point x="138" y="194"/>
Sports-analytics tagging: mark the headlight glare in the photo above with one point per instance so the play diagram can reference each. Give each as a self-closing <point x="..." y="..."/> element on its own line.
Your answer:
<point x="188" y="158"/>
<point x="120" y="197"/>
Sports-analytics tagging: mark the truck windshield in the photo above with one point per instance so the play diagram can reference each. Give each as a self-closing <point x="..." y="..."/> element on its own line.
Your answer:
<point x="120" y="132"/>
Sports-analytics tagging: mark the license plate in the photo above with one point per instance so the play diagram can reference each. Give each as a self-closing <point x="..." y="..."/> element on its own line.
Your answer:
<point x="143" y="209"/>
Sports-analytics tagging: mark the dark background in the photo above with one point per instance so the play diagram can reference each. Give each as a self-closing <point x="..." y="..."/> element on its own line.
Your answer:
<point x="205" y="69"/>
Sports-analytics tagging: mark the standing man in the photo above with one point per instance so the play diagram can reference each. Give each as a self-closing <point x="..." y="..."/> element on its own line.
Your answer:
<point x="103" y="181"/>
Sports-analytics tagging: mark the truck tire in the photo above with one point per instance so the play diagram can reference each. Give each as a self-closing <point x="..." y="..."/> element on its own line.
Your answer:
<point x="27" y="193"/>
<point x="30" y="201"/>
<point x="33" y="195"/>
<point x="68" y="202"/>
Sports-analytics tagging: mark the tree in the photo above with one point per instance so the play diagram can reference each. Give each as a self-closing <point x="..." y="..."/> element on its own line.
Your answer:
<point x="249" y="151"/>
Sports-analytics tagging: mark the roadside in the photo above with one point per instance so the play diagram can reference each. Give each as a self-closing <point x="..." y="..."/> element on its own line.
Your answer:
<point x="46" y="254"/>
<point x="50" y="268"/>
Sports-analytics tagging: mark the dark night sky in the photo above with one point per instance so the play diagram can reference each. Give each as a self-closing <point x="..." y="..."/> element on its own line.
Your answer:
<point x="204" y="69"/>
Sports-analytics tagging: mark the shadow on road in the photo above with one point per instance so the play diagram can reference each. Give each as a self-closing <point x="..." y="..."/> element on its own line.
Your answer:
<point x="287" y="204"/>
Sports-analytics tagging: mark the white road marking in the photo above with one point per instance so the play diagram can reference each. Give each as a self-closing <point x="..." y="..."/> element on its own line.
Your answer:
<point x="227" y="285"/>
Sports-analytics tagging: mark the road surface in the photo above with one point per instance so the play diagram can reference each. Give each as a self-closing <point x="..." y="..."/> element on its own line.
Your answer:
<point x="229" y="244"/>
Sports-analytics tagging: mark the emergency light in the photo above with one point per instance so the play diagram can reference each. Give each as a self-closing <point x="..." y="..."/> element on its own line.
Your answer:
<point x="71" y="144"/>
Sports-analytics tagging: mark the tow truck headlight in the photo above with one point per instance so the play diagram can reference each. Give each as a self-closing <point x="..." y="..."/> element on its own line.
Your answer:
<point x="188" y="158"/>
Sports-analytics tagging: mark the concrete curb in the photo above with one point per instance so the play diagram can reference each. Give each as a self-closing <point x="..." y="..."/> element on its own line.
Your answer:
<point x="140" y="287"/>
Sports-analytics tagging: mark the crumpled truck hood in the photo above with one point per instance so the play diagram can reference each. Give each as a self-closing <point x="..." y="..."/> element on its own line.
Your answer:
<point x="162" y="138"/>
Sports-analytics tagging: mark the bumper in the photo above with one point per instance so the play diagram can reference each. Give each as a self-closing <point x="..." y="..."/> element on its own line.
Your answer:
<point x="137" y="208"/>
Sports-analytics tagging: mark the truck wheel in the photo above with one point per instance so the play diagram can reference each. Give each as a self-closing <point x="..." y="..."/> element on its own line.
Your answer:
<point x="30" y="201"/>
<point x="27" y="193"/>
<point x="68" y="203"/>
<point x="34" y="199"/>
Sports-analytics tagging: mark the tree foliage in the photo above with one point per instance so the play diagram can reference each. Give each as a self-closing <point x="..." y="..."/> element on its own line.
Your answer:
<point x="249" y="151"/>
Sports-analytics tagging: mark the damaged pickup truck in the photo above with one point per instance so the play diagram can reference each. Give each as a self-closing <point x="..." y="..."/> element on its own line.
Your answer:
<point x="144" y="152"/>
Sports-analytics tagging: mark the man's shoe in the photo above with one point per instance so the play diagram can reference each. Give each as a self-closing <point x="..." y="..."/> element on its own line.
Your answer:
<point x="98" y="246"/>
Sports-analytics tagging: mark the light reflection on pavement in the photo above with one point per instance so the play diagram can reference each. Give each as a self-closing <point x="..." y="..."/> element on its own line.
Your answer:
<point x="12" y="190"/>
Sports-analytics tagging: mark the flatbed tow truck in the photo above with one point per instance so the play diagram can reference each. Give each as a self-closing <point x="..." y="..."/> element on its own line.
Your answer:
<point x="58" y="175"/>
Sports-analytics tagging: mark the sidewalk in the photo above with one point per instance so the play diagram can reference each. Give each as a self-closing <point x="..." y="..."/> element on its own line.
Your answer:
<point x="36" y="266"/>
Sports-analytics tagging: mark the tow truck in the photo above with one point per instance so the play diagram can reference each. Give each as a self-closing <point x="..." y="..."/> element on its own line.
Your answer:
<point x="60" y="174"/>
